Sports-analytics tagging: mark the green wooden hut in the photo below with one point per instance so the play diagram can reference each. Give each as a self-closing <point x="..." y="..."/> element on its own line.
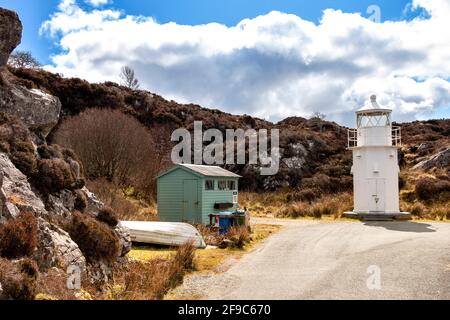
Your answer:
<point x="189" y="193"/>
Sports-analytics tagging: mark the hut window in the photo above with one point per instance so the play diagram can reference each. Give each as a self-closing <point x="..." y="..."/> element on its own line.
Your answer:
<point x="231" y="185"/>
<point x="209" y="185"/>
<point x="222" y="185"/>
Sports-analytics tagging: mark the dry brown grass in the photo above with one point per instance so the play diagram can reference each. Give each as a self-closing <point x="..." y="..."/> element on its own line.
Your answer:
<point x="426" y="194"/>
<point x="151" y="280"/>
<point x="52" y="285"/>
<point x="239" y="236"/>
<point x="18" y="279"/>
<point x="279" y="205"/>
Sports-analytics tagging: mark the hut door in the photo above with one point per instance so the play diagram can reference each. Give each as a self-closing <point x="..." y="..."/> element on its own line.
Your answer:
<point x="190" y="201"/>
<point x="376" y="195"/>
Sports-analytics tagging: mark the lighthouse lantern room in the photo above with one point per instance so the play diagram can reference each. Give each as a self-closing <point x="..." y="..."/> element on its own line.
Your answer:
<point x="375" y="169"/>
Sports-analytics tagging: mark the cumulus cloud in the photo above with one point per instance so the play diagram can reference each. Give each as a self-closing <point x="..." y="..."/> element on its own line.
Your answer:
<point x="272" y="66"/>
<point x="97" y="3"/>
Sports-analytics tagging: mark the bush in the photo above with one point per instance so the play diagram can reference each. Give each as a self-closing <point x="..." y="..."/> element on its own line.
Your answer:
<point x="185" y="256"/>
<point x="114" y="197"/>
<point x="308" y="195"/>
<point x="19" y="279"/>
<point x="239" y="236"/>
<point x="95" y="239"/>
<point x="326" y="184"/>
<point x="108" y="216"/>
<point x="55" y="175"/>
<point x="429" y="188"/>
<point x="81" y="201"/>
<point x="50" y="152"/>
<point x="294" y="210"/>
<point x="18" y="237"/>
<point x="417" y="209"/>
<point x="17" y="143"/>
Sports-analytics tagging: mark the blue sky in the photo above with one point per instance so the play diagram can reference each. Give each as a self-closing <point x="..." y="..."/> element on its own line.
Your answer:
<point x="287" y="58"/>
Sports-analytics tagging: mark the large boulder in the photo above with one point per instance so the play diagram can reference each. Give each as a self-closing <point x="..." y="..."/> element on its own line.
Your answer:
<point x="56" y="248"/>
<point x="10" y="34"/>
<point x="37" y="109"/>
<point x="438" y="160"/>
<point x="16" y="194"/>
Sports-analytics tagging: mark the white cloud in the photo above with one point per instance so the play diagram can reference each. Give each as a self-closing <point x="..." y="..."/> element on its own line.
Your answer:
<point x="272" y="66"/>
<point x="97" y="3"/>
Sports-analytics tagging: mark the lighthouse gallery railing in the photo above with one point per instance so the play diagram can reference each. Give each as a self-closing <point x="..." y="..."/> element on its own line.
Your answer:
<point x="352" y="137"/>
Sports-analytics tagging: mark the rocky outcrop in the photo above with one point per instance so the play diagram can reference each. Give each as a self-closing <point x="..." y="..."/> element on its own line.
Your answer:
<point x="56" y="248"/>
<point x="93" y="203"/>
<point x="124" y="236"/>
<point x="37" y="109"/>
<point x="40" y="180"/>
<point x="16" y="194"/>
<point x="10" y="34"/>
<point x="439" y="160"/>
<point x="61" y="204"/>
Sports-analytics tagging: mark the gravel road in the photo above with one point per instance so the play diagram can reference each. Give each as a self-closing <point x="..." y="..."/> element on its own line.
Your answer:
<point x="338" y="260"/>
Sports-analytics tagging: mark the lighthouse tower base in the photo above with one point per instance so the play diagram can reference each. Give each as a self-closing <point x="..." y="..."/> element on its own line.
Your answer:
<point x="378" y="216"/>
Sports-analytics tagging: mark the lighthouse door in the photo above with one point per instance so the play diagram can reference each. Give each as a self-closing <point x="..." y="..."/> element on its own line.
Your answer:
<point x="376" y="195"/>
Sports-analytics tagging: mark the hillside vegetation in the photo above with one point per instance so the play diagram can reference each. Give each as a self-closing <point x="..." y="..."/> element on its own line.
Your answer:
<point x="315" y="162"/>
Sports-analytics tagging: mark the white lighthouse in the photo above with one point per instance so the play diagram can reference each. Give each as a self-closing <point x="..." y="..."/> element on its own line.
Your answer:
<point x="375" y="164"/>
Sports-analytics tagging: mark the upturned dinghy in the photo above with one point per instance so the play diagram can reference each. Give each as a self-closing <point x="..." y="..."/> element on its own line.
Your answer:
<point x="164" y="233"/>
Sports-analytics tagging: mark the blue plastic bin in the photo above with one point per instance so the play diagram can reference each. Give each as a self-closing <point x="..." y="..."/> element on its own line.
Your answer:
<point x="225" y="222"/>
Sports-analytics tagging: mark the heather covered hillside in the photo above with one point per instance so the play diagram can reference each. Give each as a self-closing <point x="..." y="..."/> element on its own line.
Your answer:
<point x="308" y="146"/>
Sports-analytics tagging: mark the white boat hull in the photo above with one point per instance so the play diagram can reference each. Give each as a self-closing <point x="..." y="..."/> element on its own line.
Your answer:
<point x="164" y="233"/>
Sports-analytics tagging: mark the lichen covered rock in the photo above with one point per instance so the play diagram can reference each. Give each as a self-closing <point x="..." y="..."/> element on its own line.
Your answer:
<point x="10" y="34"/>
<point x="16" y="194"/>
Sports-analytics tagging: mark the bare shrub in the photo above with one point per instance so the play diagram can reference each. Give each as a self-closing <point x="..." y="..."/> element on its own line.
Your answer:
<point x="95" y="239"/>
<point x="114" y="146"/>
<point x="18" y="237"/>
<point x="23" y="59"/>
<point x="115" y="198"/>
<point x="128" y="78"/>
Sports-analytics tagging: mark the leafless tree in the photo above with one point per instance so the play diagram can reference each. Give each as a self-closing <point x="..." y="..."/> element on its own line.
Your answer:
<point x="23" y="59"/>
<point x="128" y="78"/>
<point x="114" y="146"/>
<point x="318" y="115"/>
